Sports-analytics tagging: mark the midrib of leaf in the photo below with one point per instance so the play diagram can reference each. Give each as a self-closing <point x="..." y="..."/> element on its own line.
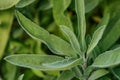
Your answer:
<point x="80" y="10"/>
<point x="64" y="64"/>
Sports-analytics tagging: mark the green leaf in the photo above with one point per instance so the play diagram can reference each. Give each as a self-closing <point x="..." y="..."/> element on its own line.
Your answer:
<point x="95" y="39"/>
<point x="90" y="5"/>
<point x="9" y="70"/>
<point x="5" y="27"/>
<point x="107" y="41"/>
<point x="97" y="74"/>
<point x="45" y="5"/>
<point x="108" y="59"/>
<point x="21" y="77"/>
<point x="116" y="72"/>
<point x="104" y="20"/>
<point x="105" y="78"/>
<point x="23" y="3"/>
<point x="88" y="71"/>
<point x="32" y="60"/>
<point x="38" y="73"/>
<point x="64" y="64"/>
<point x="77" y="72"/>
<point x="72" y="38"/>
<point x="66" y="75"/>
<point x="5" y="4"/>
<point x="80" y="10"/>
<point x="59" y="7"/>
<point x="54" y="43"/>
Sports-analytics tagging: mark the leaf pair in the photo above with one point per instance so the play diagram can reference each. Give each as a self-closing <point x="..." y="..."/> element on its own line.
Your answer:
<point x="44" y="63"/>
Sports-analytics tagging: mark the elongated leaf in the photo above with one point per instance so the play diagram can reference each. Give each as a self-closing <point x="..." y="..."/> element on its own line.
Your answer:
<point x="38" y="73"/>
<point x="77" y="72"/>
<point x="59" y="7"/>
<point x="45" y="5"/>
<point x="9" y="70"/>
<point x="5" y="27"/>
<point x="21" y="77"/>
<point x="23" y="3"/>
<point x="5" y="4"/>
<point x="104" y="20"/>
<point x="105" y="78"/>
<point x="116" y="72"/>
<point x="88" y="71"/>
<point x="54" y="43"/>
<point x="32" y="60"/>
<point x="107" y="40"/>
<point x="90" y="5"/>
<point x="66" y="75"/>
<point x="95" y="39"/>
<point x="108" y="59"/>
<point x="80" y="10"/>
<point x="72" y="38"/>
<point x="97" y="74"/>
<point x="64" y="64"/>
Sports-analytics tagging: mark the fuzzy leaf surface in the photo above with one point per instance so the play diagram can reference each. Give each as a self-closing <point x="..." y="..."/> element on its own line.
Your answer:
<point x="108" y="59"/>
<point x="54" y="43"/>
<point x="66" y="75"/>
<point x="64" y="64"/>
<point x="32" y="60"/>
<point x="95" y="39"/>
<point x="72" y="38"/>
<point x="23" y="3"/>
<point x="80" y="10"/>
<point x="97" y="74"/>
<point x="5" y="4"/>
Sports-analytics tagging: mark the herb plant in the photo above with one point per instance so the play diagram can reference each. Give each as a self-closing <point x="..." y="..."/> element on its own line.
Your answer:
<point x="77" y="55"/>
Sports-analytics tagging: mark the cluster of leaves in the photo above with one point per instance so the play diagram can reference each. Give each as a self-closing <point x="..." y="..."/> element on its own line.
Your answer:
<point x="62" y="49"/>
